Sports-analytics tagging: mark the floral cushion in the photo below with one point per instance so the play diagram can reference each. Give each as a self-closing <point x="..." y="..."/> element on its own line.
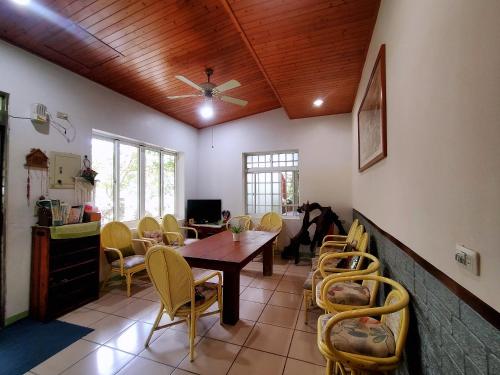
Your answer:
<point x="347" y="293"/>
<point x="332" y="262"/>
<point x="155" y="235"/>
<point x="112" y="256"/>
<point x="365" y="335"/>
<point x="203" y="293"/>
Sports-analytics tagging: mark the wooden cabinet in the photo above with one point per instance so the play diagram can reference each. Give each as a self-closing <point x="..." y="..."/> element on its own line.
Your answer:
<point x="206" y="230"/>
<point x="64" y="273"/>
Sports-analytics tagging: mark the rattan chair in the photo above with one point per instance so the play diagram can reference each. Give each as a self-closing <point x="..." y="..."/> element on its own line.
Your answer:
<point x="242" y="221"/>
<point x="180" y="295"/>
<point x="172" y="232"/>
<point x="150" y="229"/>
<point x="367" y="339"/>
<point x="341" y="238"/>
<point x="271" y="222"/>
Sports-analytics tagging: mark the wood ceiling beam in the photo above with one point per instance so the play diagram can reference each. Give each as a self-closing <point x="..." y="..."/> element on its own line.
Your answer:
<point x="245" y="39"/>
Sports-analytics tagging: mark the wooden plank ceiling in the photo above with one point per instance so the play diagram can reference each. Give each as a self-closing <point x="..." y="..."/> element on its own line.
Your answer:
<point x="284" y="53"/>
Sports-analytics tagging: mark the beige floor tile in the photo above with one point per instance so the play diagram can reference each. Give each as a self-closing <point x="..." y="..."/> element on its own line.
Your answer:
<point x="253" y="266"/>
<point x="152" y="296"/>
<point x="179" y="371"/>
<point x="202" y="325"/>
<point x="294" y="278"/>
<point x="140" y="309"/>
<point x="305" y="348"/>
<point x="132" y="339"/>
<point x="107" y="328"/>
<point x="65" y="358"/>
<point x="236" y="334"/>
<point x="170" y="348"/>
<point x="242" y="289"/>
<point x="312" y="320"/>
<point x="279" y="316"/>
<point x="265" y="283"/>
<point x="294" y="367"/>
<point x="103" y="361"/>
<point x="212" y="357"/>
<point x="298" y="270"/>
<point x="270" y="338"/>
<point x="83" y="317"/>
<point x="250" y="310"/>
<point x="144" y="291"/>
<point x="111" y="302"/>
<point x="143" y="366"/>
<point x="245" y="280"/>
<point x="254" y="362"/>
<point x="290" y="287"/>
<point x="256" y="295"/>
<point x="286" y="300"/>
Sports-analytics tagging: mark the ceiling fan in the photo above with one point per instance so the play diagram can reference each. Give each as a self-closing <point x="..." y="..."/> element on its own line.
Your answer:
<point x="210" y="90"/>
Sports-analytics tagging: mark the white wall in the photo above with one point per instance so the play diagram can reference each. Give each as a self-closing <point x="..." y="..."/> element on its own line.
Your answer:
<point x="440" y="184"/>
<point x="324" y="145"/>
<point x="30" y="79"/>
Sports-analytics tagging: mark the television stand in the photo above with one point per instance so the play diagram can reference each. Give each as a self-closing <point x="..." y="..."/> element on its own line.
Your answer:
<point x="207" y="230"/>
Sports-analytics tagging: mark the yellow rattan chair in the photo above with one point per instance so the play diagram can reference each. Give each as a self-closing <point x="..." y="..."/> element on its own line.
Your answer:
<point x="172" y="231"/>
<point x="343" y="239"/>
<point x="243" y="221"/>
<point x="271" y="222"/>
<point x="328" y="248"/>
<point x="150" y="229"/>
<point x="358" y="340"/>
<point x="173" y="280"/>
<point x="371" y="287"/>
<point x="117" y="243"/>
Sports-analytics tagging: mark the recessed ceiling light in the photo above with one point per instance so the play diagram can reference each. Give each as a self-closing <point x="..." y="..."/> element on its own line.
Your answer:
<point x="318" y="102"/>
<point x="207" y="111"/>
<point x="22" y="2"/>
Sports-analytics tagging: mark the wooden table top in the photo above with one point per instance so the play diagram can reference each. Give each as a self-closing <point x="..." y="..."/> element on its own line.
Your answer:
<point x="221" y="247"/>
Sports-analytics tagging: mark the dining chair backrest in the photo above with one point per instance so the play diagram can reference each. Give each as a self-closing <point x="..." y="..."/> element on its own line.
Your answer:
<point x="271" y="221"/>
<point x="171" y="276"/>
<point x="116" y="235"/>
<point x="148" y="224"/>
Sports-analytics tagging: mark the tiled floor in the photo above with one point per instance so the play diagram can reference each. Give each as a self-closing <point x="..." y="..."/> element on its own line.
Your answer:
<point x="270" y="338"/>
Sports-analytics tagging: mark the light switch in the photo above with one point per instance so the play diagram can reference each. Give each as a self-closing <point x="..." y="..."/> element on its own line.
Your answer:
<point x="467" y="258"/>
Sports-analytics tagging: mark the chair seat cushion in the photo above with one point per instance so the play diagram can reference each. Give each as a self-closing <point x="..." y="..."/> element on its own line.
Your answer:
<point x="187" y="241"/>
<point x="347" y="293"/>
<point x="203" y="293"/>
<point x="155" y="235"/>
<point x="332" y="262"/>
<point x="129" y="262"/>
<point x="308" y="282"/>
<point x="365" y="336"/>
<point x="112" y="256"/>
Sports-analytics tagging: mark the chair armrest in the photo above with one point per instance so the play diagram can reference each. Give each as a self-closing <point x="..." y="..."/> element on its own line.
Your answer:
<point x="208" y="277"/>
<point x="193" y="229"/>
<point x="120" y="255"/>
<point x="144" y="244"/>
<point x="334" y="237"/>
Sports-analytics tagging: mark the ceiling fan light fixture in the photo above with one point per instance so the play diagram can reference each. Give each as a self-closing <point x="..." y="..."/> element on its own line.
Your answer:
<point x="318" y="102"/>
<point x="22" y="2"/>
<point x="207" y="111"/>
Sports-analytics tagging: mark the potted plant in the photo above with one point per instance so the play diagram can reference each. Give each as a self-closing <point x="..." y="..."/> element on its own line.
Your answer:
<point x="236" y="230"/>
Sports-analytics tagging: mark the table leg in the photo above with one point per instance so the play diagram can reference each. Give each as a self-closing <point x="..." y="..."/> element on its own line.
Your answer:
<point x="231" y="297"/>
<point x="267" y="261"/>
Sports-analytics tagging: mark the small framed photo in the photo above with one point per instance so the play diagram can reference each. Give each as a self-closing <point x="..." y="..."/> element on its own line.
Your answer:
<point x="75" y="215"/>
<point x="372" y="118"/>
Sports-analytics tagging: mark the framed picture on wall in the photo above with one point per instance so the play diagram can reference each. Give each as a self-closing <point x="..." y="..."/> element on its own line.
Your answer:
<point x="372" y="118"/>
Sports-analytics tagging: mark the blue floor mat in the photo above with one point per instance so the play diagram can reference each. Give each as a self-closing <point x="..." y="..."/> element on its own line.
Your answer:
<point x="27" y="343"/>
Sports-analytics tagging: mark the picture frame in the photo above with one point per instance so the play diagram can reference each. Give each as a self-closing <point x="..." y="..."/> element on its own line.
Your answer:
<point x="372" y="117"/>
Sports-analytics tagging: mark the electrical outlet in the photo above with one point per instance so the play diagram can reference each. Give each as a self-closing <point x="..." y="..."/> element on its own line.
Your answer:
<point x="467" y="258"/>
<point x="62" y="115"/>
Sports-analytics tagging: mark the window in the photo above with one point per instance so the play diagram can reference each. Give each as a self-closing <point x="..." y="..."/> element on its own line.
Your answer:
<point x="272" y="182"/>
<point x="144" y="175"/>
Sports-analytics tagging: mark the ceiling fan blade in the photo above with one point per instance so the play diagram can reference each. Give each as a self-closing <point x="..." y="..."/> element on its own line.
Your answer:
<point x="188" y="82"/>
<point x="229" y="85"/>
<point x="232" y="100"/>
<point x="183" y="96"/>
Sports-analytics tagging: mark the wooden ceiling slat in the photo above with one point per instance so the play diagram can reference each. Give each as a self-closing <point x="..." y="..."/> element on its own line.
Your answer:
<point x="300" y="49"/>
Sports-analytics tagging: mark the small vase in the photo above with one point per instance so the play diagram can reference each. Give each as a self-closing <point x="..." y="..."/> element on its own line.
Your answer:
<point x="236" y="237"/>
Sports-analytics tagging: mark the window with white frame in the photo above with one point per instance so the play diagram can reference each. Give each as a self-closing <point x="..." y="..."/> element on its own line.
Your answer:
<point x="272" y="182"/>
<point x="133" y="179"/>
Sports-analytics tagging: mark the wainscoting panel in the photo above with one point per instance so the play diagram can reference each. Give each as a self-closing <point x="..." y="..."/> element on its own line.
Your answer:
<point x="447" y="336"/>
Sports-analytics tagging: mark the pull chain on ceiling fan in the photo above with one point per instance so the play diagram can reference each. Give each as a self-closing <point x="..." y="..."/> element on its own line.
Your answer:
<point x="210" y="90"/>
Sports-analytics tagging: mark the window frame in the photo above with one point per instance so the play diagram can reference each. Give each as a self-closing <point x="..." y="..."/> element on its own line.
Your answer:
<point x="141" y="180"/>
<point x="278" y="169"/>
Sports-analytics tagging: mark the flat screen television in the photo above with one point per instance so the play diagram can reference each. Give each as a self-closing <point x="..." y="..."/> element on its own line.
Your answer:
<point x="204" y="211"/>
